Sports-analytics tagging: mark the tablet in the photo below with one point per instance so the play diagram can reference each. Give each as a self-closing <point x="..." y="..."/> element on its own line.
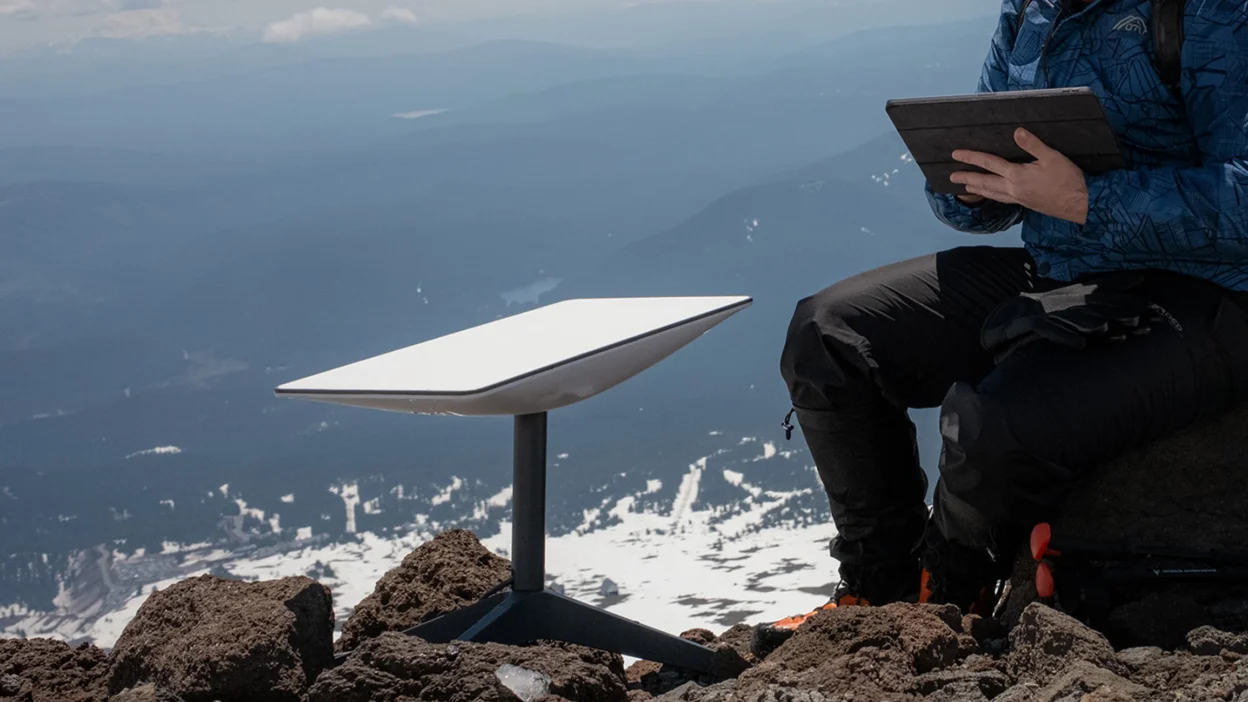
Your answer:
<point x="1068" y="119"/>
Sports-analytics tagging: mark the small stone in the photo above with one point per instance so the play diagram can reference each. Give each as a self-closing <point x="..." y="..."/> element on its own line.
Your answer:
<point x="1140" y="656"/>
<point x="698" y="636"/>
<point x="528" y="685"/>
<point x="1208" y="641"/>
<point x="726" y="665"/>
<point x="739" y="638"/>
<point x="145" y="693"/>
<point x="989" y="683"/>
<point x="15" y="689"/>
<point x="947" y="613"/>
<point x="1023" y="692"/>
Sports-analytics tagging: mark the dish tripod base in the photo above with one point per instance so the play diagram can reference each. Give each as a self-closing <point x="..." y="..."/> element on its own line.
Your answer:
<point x="530" y="612"/>
<point x="518" y="618"/>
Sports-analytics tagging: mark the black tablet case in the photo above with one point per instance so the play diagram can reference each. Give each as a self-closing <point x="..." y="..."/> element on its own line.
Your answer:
<point x="1068" y="119"/>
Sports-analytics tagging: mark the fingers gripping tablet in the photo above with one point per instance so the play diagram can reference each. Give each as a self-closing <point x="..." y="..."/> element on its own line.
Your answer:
<point x="1068" y="119"/>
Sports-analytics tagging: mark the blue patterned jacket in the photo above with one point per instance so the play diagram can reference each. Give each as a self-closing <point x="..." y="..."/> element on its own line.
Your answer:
<point x="1182" y="205"/>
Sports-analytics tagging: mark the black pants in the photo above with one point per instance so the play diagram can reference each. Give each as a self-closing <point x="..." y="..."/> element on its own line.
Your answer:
<point x="1015" y="436"/>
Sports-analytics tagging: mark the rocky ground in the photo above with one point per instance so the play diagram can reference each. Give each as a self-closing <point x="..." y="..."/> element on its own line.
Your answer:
<point x="211" y="639"/>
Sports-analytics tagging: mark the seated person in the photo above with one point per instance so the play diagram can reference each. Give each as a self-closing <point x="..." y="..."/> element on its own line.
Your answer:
<point x="1037" y="356"/>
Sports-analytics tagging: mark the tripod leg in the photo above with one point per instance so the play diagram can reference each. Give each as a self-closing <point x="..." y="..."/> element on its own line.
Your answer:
<point x="452" y="625"/>
<point x="546" y="615"/>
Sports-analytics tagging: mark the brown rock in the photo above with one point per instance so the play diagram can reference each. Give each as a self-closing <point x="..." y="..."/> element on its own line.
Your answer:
<point x="1208" y="641"/>
<point x="658" y="679"/>
<point x="43" y="670"/>
<point x="980" y="662"/>
<point x="1140" y="657"/>
<point x="988" y="683"/>
<point x="1022" y="692"/>
<point x="145" y="693"/>
<point x="947" y="613"/>
<point x="1230" y="682"/>
<point x="1088" y="683"/>
<point x="15" y="689"/>
<point x="962" y="691"/>
<point x="1172" y="671"/>
<point x="207" y="638"/>
<point x="398" y="668"/>
<point x="861" y="653"/>
<point x="693" y="692"/>
<point x="1047" y="643"/>
<point x="869" y="673"/>
<point x="698" y="636"/>
<point x="636" y="674"/>
<point x="926" y="639"/>
<point x="739" y="637"/>
<point x="449" y="572"/>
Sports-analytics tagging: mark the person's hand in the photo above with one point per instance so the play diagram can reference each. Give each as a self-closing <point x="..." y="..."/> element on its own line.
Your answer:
<point x="971" y="199"/>
<point x="1051" y="185"/>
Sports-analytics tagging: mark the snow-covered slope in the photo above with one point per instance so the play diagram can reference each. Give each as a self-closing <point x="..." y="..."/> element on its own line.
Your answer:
<point x="721" y="550"/>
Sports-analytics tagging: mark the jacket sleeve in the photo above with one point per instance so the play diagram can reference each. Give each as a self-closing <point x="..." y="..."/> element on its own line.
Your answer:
<point x="989" y="217"/>
<point x="1194" y="212"/>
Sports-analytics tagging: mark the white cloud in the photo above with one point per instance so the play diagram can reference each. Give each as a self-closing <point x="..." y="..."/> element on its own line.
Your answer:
<point x="136" y="24"/>
<point x="400" y="14"/>
<point x="31" y="9"/>
<point x="321" y="20"/>
<point x="16" y="7"/>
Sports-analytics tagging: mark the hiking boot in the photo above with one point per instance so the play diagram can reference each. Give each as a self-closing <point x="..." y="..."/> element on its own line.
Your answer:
<point x="768" y="637"/>
<point x="969" y="595"/>
<point x="959" y="575"/>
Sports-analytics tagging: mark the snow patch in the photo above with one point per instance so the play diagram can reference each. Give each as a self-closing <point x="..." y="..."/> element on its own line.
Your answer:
<point x="350" y="494"/>
<point x="445" y="496"/>
<point x="159" y="450"/>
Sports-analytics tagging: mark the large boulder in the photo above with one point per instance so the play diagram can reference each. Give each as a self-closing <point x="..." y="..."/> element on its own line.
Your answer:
<point x="208" y="639"/>
<point x="396" y="668"/>
<point x="1183" y="492"/>
<point x="42" y="670"/>
<point x="451" y="571"/>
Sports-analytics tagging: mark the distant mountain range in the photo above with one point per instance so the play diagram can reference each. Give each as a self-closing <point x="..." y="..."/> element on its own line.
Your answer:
<point x="163" y="267"/>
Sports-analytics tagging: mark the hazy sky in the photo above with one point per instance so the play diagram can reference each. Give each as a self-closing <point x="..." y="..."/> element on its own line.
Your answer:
<point x="24" y="23"/>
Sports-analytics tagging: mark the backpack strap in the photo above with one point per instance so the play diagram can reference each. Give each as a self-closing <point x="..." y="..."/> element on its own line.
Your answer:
<point x="1168" y="40"/>
<point x="1022" y="17"/>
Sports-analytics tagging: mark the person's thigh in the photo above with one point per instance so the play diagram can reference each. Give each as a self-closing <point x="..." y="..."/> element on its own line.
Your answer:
<point x="908" y="330"/>
<point x="1014" y="444"/>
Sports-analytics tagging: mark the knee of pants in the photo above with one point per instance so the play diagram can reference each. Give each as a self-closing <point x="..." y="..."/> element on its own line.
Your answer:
<point x="983" y="465"/>
<point x="819" y="362"/>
